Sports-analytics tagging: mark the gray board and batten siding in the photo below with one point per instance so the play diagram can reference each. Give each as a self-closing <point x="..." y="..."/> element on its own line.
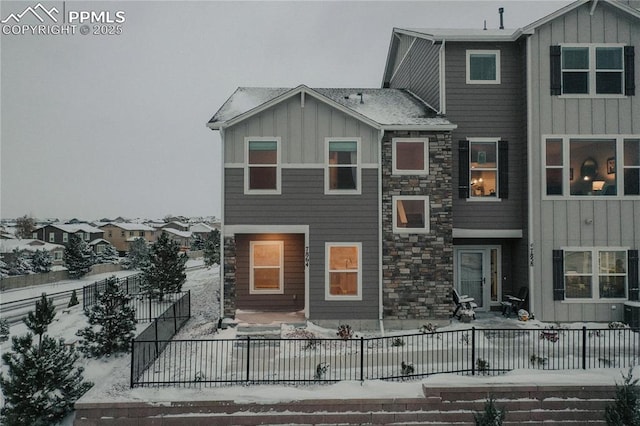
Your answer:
<point x="302" y="130"/>
<point x="571" y="222"/>
<point x="416" y="66"/>
<point x="330" y="218"/>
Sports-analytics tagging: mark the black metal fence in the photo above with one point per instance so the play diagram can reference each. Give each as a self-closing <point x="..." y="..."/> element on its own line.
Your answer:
<point x="148" y="308"/>
<point x="130" y="285"/>
<point x="473" y="351"/>
<point x="149" y="344"/>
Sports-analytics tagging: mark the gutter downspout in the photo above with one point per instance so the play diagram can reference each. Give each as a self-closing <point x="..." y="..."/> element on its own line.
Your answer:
<point x="529" y="180"/>
<point x="443" y="94"/>
<point x="222" y="234"/>
<point x="380" y="234"/>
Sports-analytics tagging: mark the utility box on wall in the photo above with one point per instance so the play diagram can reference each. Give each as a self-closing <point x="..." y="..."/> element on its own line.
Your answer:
<point x="632" y="314"/>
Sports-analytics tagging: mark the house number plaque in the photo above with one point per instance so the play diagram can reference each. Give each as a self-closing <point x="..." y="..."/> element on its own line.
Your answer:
<point x="306" y="256"/>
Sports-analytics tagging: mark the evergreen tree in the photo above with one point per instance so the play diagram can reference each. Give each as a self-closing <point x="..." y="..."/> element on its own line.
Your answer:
<point x="212" y="248"/>
<point x="112" y="323"/>
<point x="38" y="321"/>
<point x="74" y="299"/>
<point x="25" y="226"/>
<point x="4" y="330"/>
<point x="42" y="383"/>
<point x="491" y="416"/>
<point x="197" y="243"/>
<point x="78" y="257"/>
<point x="41" y="261"/>
<point x="138" y="255"/>
<point x="108" y="255"/>
<point x="166" y="270"/>
<point x="20" y="264"/>
<point x="625" y="410"/>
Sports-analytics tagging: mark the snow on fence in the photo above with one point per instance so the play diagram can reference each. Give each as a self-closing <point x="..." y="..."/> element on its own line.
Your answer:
<point x="473" y="351"/>
<point x="130" y="285"/>
<point x="151" y="342"/>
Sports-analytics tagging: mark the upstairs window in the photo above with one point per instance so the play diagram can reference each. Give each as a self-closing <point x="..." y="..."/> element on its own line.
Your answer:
<point x="65" y="237"/>
<point x="262" y="171"/>
<point x="342" y="170"/>
<point x="411" y="214"/>
<point x="410" y="156"/>
<point x="578" y="167"/>
<point x="52" y="237"/>
<point x="592" y="70"/>
<point x="483" y="67"/>
<point x="483" y="169"/>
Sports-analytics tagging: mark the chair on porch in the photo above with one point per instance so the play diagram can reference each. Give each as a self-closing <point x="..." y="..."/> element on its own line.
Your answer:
<point x="515" y="303"/>
<point x="463" y="303"/>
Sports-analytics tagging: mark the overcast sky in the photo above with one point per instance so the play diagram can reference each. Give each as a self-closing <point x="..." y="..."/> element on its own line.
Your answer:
<point x="96" y="126"/>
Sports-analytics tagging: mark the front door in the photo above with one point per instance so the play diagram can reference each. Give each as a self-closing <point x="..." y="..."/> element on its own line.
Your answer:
<point x="477" y="274"/>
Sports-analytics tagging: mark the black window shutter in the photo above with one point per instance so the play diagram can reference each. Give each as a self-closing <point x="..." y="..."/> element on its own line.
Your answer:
<point x="558" y="275"/>
<point x="634" y="287"/>
<point x="629" y="72"/>
<point x="555" y="67"/>
<point x="503" y="169"/>
<point x="463" y="169"/>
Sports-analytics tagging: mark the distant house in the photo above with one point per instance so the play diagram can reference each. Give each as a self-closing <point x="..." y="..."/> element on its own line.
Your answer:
<point x="8" y="247"/>
<point x="181" y="237"/>
<point x="202" y="230"/>
<point x="120" y="235"/>
<point x="59" y="233"/>
<point x="99" y="245"/>
<point x="180" y="226"/>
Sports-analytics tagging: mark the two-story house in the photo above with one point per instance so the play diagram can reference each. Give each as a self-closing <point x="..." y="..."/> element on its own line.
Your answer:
<point x="59" y="233"/>
<point x="328" y="193"/>
<point x="120" y="235"/>
<point x="546" y="154"/>
<point x="523" y="173"/>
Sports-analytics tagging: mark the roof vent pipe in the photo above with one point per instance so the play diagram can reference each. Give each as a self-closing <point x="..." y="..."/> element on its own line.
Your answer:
<point x="501" y="11"/>
<point x="485" y="25"/>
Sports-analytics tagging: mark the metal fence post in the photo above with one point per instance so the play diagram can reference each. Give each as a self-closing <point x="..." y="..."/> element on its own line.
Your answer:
<point x="248" y="355"/>
<point x="584" y="347"/>
<point x="150" y="313"/>
<point x="155" y="324"/>
<point x="175" y="318"/>
<point x="473" y="351"/>
<point x="361" y="358"/>
<point x="133" y="341"/>
<point x="189" y="305"/>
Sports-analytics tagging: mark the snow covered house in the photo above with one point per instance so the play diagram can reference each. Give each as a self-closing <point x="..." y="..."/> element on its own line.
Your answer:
<point x="9" y="246"/>
<point x="59" y="233"/>
<point x="546" y="156"/>
<point x="516" y="166"/>
<point x="121" y="234"/>
<point x="328" y="194"/>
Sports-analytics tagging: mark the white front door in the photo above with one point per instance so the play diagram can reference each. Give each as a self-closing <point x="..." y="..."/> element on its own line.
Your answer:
<point x="476" y="274"/>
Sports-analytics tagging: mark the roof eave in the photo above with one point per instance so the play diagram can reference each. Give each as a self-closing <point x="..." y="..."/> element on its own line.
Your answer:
<point x="421" y="127"/>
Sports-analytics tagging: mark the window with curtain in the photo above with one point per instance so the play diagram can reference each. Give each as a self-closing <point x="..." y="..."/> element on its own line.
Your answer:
<point x="262" y="168"/>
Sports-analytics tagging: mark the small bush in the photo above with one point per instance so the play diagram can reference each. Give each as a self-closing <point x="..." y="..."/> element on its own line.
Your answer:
<point x="397" y="342"/>
<point x="407" y="369"/>
<point x="482" y="365"/>
<point x="74" y="300"/>
<point x="345" y="332"/>
<point x="491" y="416"/>
<point x="625" y="409"/>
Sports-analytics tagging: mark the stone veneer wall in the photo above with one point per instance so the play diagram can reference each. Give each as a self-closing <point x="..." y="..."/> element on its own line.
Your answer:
<point x="418" y="268"/>
<point x="229" y="277"/>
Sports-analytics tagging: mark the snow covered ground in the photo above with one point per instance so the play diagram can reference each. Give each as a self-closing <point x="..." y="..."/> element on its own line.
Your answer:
<point x="111" y="375"/>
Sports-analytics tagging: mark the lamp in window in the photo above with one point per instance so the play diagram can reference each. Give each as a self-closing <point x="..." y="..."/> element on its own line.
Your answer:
<point x="589" y="169"/>
<point x="597" y="184"/>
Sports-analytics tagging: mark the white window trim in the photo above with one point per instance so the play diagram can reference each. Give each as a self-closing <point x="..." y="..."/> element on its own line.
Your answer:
<point x="566" y="166"/>
<point x="65" y="237"/>
<point x="358" y="165"/>
<point x="595" y="286"/>
<point x="468" y="67"/>
<point x="396" y="170"/>
<point x="52" y="237"/>
<point x="278" y="165"/>
<point x="327" y="284"/>
<point x="252" y="289"/>
<point x="592" y="71"/>
<point x="427" y="225"/>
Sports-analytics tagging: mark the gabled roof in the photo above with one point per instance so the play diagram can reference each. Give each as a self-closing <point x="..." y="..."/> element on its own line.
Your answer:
<point x="72" y="229"/>
<point x="183" y="234"/>
<point x="130" y="226"/>
<point x="379" y="108"/>
<point x="464" y="34"/>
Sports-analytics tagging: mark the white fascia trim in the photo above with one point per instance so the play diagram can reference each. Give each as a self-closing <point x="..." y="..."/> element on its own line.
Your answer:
<point x="442" y="76"/>
<point x="421" y="127"/>
<point x="487" y="233"/>
<point x="530" y="230"/>
<point x="231" y="230"/>
<point x="222" y="227"/>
